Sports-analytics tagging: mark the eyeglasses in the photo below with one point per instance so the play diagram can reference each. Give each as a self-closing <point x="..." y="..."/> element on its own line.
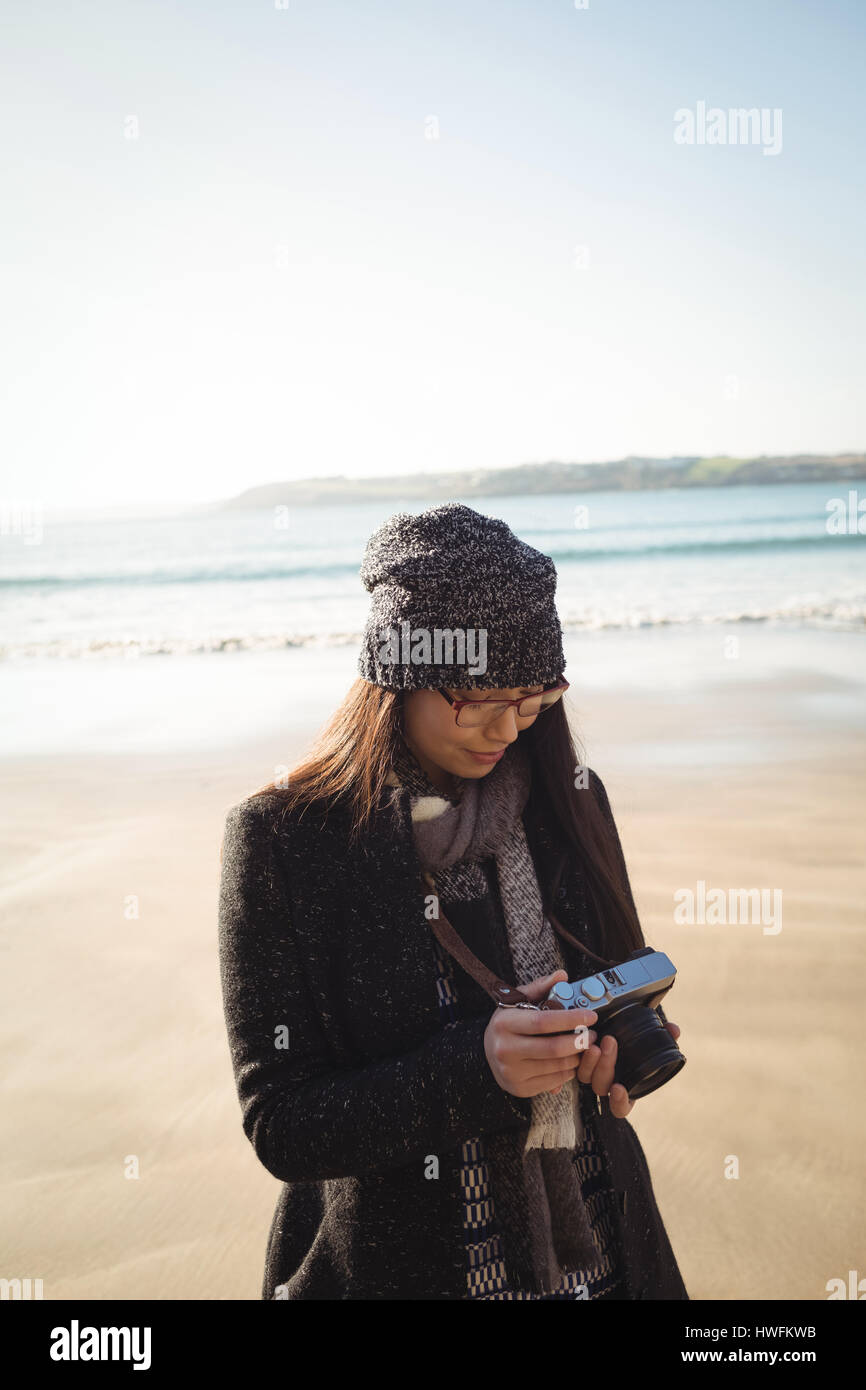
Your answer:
<point x="471" y="714"/>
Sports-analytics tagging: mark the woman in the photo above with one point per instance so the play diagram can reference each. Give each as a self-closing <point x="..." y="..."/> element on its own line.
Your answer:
<point x="430" y="1143"/>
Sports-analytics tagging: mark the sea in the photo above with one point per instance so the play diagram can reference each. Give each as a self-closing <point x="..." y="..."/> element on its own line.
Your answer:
<point x="102" y="595"/>
<point x="288" y="578"/>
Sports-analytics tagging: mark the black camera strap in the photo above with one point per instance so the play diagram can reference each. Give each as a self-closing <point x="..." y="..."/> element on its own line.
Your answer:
<point x="498" y="990"/>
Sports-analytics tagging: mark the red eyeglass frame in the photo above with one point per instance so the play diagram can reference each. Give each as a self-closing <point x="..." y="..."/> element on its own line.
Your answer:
<point x="457" y="705"/>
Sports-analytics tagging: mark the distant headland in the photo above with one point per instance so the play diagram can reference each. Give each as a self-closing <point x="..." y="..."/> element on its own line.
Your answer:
<point x="627" y="475"/>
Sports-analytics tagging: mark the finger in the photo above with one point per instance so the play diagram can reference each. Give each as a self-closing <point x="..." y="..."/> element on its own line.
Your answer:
<point x="549" y="1081"/>
<point x="526" y="1048"/>
<point x="620" y="1105"/>
<point x="674" y="1029"/>
<point x="588" y="1063"/>
<point x="545" y="1021"/>
<point x="555" y="1069"/>
<point x="602" y="1076"/>
<point x="536" y="990"/>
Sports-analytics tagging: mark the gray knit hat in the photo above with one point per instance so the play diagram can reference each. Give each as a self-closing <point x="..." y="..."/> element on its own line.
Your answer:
<point x="459" y="601"/>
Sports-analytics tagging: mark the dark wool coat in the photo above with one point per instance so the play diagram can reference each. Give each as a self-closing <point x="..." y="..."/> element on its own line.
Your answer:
<point x="348" y="1084"/>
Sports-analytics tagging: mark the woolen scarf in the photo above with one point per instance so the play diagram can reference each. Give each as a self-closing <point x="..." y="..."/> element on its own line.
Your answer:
<point x="537" y="1193"/>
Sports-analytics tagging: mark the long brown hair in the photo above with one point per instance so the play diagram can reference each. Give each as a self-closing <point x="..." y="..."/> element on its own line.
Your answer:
<point x="351" y="757"/>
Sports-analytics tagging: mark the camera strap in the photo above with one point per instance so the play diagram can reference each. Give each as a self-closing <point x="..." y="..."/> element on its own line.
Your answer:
<point x="499" y="991"/>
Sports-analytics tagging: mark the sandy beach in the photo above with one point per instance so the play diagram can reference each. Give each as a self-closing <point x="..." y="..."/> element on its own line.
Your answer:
<point x="128" y="1175"/>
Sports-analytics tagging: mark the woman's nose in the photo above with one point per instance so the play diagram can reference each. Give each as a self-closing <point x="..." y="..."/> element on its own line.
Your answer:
<point x="505" y="727"/>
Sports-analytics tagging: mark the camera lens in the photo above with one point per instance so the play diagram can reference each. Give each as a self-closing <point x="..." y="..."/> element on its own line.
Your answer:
<point x="647" y="1055"/>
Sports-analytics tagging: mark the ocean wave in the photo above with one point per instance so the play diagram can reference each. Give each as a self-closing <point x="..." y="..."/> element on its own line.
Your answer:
<point x="228" y="574"/>
<point x="727" y="546"/>
<point x="225" y="575"/>
<point x="847" y="617"/>
<point x="666" y="522"/>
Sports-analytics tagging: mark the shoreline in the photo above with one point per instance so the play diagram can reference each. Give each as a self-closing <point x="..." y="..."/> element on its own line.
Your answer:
<point x="201" y="703"/>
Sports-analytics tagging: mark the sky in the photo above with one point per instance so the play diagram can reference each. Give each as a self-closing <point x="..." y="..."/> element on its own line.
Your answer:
<point x="247" y="243"/>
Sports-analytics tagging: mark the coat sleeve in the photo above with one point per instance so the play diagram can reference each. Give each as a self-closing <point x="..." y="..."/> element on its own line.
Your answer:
<point x="306" y="1119"/>
<point x="602" y="798"/>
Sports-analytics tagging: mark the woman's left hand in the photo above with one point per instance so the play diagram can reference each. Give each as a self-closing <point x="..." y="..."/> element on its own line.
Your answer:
<point x="597" y="1068"/>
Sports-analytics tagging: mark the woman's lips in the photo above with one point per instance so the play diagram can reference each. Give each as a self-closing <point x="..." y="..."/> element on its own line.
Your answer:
<point x="486" y="757"/>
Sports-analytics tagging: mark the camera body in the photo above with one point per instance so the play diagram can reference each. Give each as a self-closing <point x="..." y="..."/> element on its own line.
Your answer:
<point x="626" y="997"/>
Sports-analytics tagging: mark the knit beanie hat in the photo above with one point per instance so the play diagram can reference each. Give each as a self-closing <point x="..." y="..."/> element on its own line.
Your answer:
<point x="458" y="601"/>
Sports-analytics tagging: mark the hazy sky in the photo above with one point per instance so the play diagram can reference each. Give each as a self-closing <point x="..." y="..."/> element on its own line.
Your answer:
<point x="243" y="243"/>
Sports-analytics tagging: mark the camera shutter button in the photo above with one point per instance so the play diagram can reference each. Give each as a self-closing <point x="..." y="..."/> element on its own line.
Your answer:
<point x="593" y="988"/>
<point x="563" y="990"/>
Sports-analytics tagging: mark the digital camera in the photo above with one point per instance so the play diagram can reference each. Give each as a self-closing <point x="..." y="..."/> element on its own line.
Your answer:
<point x="625" y="997"/>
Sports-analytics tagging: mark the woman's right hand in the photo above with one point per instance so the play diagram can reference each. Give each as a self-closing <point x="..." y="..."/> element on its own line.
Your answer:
<point x="523" y="1056"/>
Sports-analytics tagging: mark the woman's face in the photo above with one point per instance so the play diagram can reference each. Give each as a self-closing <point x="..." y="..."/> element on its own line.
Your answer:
<point x="443" y="749"/>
